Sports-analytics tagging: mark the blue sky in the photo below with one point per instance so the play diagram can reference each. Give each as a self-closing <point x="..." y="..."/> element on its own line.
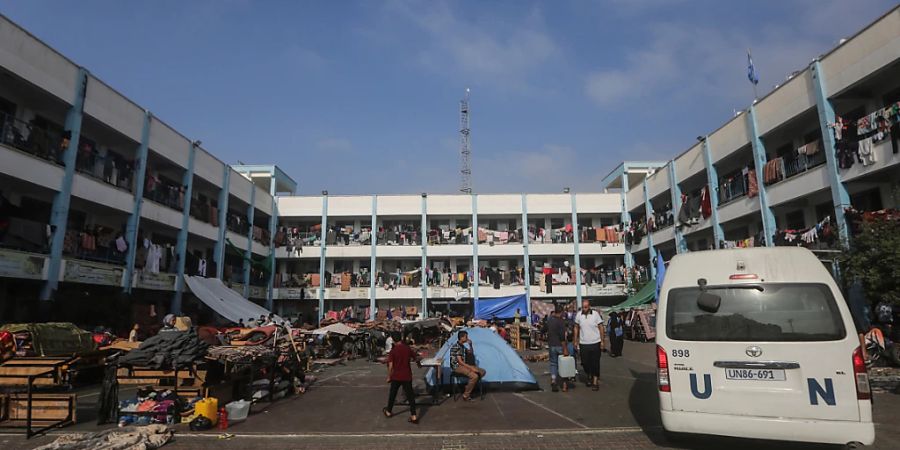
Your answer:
<point x="362" y="96"/>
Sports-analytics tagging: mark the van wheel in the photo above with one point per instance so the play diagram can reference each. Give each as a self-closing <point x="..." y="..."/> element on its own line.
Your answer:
<point x="853" y="445"/>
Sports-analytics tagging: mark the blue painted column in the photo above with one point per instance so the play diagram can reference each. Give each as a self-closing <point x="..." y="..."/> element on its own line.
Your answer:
<point x="839" y="196"/>
<point x="675" y="190"/>
<point x="759" y="162"/>
<point x="424" y="238"/>
<point x="273" y="225"/>
<point x="219" y="250"/>
<point x="134" y="220"/>
<point x="626" y="219"/>
<point x="322" y="248"/>
<point x="181" y="245"/>
<point x="475" y="279"/>
<point x="648" y="210"/>
<point x="248" y="254"/>
<point x="576" y="239"/>
<point x="373" y="274"/>
<point x="526" y="259"/>
<point x="59" y="214"/>
<point x="712" y="177"/>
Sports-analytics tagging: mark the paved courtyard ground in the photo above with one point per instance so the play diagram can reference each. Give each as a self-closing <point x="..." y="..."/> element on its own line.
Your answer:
<point x="342" y="410"/>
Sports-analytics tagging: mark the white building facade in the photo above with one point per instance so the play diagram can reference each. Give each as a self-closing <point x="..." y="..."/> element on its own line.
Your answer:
<point x="786" y="170"/>
<point x="100" y="197"/>
<point x="575" y="236"/>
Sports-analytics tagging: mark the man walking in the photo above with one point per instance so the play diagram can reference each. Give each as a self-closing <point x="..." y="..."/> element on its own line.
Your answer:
<point x="589" y="337"/>
<point x="400" y="375"/>
<point x="556" y="337"/>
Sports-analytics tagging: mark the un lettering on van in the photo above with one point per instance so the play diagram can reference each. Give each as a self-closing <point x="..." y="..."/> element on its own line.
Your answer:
<point x="707" y="383"/>
<point x="816" y="390"/>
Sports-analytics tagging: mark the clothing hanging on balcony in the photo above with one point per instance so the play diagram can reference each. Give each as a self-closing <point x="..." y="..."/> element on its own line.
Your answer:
<point x="752" y="184"/>
<point x="153" y="256"/>
<point x="121" y="245"/>
<point x="773" y="171"/>
<point x="810" y="149"/>
<point x="705" y="203"/>
<point x="866" y="153"/>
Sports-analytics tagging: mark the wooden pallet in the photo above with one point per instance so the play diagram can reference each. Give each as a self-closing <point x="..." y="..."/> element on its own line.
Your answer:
<point x="53" y="371"/>
<point x="189" y="383"/>
<point x="46" y="409"/>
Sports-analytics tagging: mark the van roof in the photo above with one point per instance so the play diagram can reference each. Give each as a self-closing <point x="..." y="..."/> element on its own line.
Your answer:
<point x="770" y="264"/>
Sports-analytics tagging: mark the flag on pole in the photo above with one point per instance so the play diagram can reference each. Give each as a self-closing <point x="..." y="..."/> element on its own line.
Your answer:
<point x="660" y="274"/>
<point x="751" y="70"/>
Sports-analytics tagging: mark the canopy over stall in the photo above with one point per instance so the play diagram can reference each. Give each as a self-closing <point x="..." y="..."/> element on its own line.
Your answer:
<point x="641" y="297"/>
<point x="501" y="307"/>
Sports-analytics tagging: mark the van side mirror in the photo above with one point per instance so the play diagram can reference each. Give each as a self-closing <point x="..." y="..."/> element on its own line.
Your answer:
<point x="709" y="302"/>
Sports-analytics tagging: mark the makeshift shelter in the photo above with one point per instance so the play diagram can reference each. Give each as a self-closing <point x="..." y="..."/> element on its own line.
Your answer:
<point x="505" y="369"/>
<point x="224" y="300"/>
<point x="501" y="307"/>
<point x="641" y="297"/>
<point x="336" y="328"/>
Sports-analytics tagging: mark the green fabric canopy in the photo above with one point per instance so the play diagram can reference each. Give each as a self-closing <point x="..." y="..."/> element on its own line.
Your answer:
<point x="641" y="297"/>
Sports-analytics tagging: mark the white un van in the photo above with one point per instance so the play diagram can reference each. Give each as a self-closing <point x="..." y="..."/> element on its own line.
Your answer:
<point x="759" y="343"/>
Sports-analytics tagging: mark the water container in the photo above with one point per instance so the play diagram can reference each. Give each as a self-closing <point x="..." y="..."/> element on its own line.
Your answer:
<point x="566" y="366"/>
<point x="208" y="407"/>
<point x="237" y="411"/>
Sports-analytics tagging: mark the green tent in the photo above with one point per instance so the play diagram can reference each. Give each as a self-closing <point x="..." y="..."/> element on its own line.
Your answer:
<point x="641" y="297"/>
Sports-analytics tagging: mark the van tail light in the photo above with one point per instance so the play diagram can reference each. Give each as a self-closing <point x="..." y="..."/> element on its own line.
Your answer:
<point x="662" y="370"/>
<point x="863" y="392"/>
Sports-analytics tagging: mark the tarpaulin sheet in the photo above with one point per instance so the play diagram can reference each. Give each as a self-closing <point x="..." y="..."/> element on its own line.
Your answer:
<point x="501" y="307"/>
<point x="645" y="295"/>
<point x="55" y="339"/>
<point x="336" y="328"/>
<point x="224" y="300"/>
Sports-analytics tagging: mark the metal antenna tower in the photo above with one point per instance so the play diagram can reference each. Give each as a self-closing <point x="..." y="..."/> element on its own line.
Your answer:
<point x="465" y="151"/>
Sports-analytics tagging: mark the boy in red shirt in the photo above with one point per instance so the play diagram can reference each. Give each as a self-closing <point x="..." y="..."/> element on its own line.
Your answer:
<point x="400" y="375"/>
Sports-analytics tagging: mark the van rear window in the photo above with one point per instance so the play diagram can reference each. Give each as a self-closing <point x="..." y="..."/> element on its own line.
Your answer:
<point x="771" y="312"/>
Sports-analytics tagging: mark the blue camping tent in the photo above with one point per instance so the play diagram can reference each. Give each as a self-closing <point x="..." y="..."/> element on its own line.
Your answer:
<point x="501" y="307"/>
<point x="503" y="365"/>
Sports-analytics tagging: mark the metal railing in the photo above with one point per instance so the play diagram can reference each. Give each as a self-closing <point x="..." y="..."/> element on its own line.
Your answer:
<point x="732" y="189"/>
<point x="802" y="163"/>
<point x="110" y="168"/>
<point x="32" y="139"/>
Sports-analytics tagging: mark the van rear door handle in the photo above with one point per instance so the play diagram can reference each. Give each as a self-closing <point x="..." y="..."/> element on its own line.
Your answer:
<point x="756" y="364"/>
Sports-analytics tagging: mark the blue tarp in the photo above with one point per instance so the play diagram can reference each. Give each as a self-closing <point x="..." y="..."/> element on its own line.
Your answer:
<point x="501" y="307"/>
<point x="503" y="365"/>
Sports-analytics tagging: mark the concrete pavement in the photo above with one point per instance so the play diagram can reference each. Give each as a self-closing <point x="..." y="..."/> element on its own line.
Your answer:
<point x="342" y="410"/>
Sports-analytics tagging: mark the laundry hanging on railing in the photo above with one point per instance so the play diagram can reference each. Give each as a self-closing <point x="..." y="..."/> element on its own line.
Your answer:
<point x="805" y="237"/>
<point x="810" y="149"/>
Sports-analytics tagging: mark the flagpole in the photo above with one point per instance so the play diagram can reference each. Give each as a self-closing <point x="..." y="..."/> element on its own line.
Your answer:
<point x="750" y="59"/>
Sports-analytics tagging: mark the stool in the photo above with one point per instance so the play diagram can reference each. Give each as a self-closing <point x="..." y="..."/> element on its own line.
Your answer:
<point x="457" y="381"/>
